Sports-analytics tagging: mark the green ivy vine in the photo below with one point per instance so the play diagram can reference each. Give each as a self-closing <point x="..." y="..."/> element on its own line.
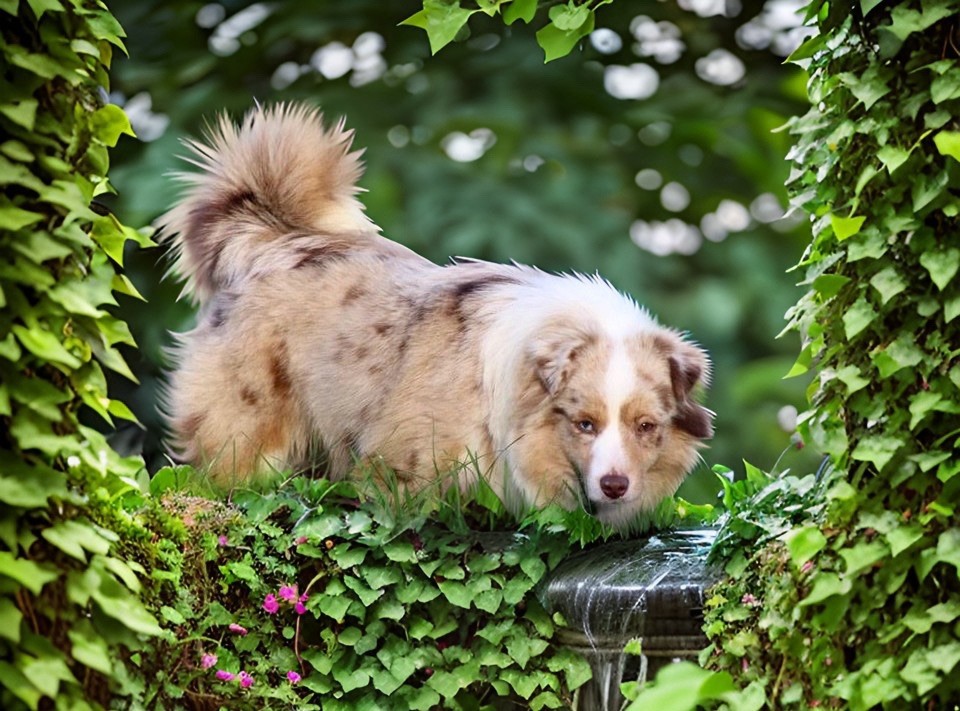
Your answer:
<point x="70" y="571"/>
<point x="843" y="588"/>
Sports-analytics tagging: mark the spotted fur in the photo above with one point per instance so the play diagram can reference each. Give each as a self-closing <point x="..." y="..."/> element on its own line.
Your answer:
<point x="316" y="330"/>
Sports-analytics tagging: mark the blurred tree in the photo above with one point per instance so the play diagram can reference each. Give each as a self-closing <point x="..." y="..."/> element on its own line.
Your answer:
<point x="646" y="155"/>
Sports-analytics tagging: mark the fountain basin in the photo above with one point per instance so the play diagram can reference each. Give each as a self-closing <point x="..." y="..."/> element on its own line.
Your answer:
<point x="651" y="589"/>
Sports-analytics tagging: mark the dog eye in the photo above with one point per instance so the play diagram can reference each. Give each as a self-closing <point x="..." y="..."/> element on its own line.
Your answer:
<point x="585" y="426"/>
<point x="646" y="427"/>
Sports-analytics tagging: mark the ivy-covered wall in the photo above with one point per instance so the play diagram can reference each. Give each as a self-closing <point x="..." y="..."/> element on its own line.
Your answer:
<point x="70" y="610"/>
<point x="848" y="595"/>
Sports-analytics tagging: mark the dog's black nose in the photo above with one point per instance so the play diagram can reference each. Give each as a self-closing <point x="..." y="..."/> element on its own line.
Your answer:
<point x="614" y="486"/>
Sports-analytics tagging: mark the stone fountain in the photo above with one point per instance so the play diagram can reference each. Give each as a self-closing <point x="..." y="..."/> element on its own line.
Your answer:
<point x="651" y="589"/>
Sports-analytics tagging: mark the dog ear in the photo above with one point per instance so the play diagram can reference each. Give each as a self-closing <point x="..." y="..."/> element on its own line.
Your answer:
<point x="689" y="367"/>
<point x="554" y="355"/>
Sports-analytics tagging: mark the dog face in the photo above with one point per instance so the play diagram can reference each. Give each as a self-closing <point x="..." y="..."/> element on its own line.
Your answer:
<point x="624" y="416"/>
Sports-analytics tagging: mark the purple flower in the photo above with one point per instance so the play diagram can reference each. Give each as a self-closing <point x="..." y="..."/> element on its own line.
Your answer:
<point x="288" y="593"/>
<point x="224" y="675"/>
<point x="208" y="660"/>
<point x="246" y="681"/>
<point x="237" y="629"/>
<point x="223" y="540"/>
<point x="293" y="677"/>
<point x="270" y="604"/>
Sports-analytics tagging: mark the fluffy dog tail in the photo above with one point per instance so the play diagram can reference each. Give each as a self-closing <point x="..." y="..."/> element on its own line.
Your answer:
<point x="271" y="190"/>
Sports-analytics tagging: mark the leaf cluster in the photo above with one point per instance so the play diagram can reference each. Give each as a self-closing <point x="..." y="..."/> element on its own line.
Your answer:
<point x="567" y="23"/>
<point x="435" y="606"/>
<point x="71" y="562"/>
<point x="856" y="602"/>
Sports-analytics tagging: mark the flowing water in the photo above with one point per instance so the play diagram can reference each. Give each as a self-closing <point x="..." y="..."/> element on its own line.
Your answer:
<point x="651" y="589"/>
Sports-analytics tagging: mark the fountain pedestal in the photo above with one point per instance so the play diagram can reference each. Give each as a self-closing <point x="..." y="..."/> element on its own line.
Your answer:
<point x="651" y="589"/>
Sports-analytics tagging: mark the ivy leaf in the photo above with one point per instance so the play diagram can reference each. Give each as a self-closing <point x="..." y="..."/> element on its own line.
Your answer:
<point x="829" y="285"/>
<point x="893" y="157"/>
<point x="888" y="283"/>
<point x="350" y="636"/>
<point x="948" y="547"/>
<point x="489" y="601"/>
<point x="869" y="87"/>
<point x="942" y="265"/>
<point x="945" y="657"/>
<point x="10" y="618"/>
<point x="919" y="672"/>
<point x="333" y="606"/>
<point x="804" y="543"/>
<point x="441" y="21"/>
<point x="558" y="43"/>
<point x="877" y="449"/>
<point x="448" y="684"/>
<point x="825" y="586"/>
<point x="921" y="618"/>
<point x="25" y="572"/>
<point x="22" y="113"/>
<point x="109" y="123"/>
<point x="523" y="10"/>
<point x="928" y="188"/>
<point x="75" y="537"/>
<point x="522" y="648"/>
<point x="683" y="685"/>
<point x="400" y="552"/>
<point x="576" y="669"/>
<point x="534" y="568"/>
<point x="902" y="353"/>
<point x="570" y="16"/>
<point x="16" y="218"/>
<point x="45" y="346"/>
<point x="425" y="698"/>
<point x="860" y="315"/>
<point x="948" y="143"/>
<point x="29" y="486"/>
<point x="863" y="555"/>
<point x="905" y="20"/>
<point x="350" y="680"/>
<point x="456" y="593"/>
<point x="348" y="556"/>
<point x="851" y="376"/>
<point x="945" y="87"/>
<point x="921" y="405"/>
<point x="90" y="649"/>
<point x="902" y="537"/>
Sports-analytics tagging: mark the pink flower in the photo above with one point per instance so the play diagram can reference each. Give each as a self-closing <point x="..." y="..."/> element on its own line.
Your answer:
<point x="749" y="600"/>
<point x="299" y="540"/>
<point x="288" y="593"/>
<point x="223" y="540"/>
<point x="806" y="567"/>
<point x="293" y="677"/>
<point x="208" y="660"/>
<point x="224" y="675"/>
<point x="300" y="607"/>
<point x="237" y="629"/>
<point x="270" y="604"/>
<point x="246" y="681"/>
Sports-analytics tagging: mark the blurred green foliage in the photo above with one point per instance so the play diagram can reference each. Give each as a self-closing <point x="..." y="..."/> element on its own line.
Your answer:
<point x="555" y="184"/>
